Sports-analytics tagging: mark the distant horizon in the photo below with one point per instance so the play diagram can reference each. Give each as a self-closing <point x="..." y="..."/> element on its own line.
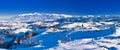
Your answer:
<point x="4" y="16"/>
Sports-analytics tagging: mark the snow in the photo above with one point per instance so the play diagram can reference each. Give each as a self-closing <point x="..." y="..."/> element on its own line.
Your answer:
<point x="38" y="23"/>
<point x="2" y="49"/>
<point x="66" y="16"/>
<point x="109" y="23"/>
<point x="77" y="45"/>
<point x="117" y="33"/>
<point x="86" y="35"/>
<point x="55" y="23"/>
<point x="21" y="30"/>
<point x="39" y="17"/>
<point x="46" y="32"/>
<point x="37" y="46"/>
<point x="59" y="15"/>
<point x="4" y="27"/>
<point x="28" y="14"/>
<point x="75" y="24"/>
<point x="98" y="23"/>
<point x="82" y="25"/>
<point x="91" y="44"/>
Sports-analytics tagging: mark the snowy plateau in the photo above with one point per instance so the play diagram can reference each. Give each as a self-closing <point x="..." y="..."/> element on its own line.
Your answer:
<point x="50" y="31"/>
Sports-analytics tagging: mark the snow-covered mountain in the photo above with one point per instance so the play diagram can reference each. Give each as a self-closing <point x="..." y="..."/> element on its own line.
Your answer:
<point x="65" y="32"/>
<point x="38" y="17"/>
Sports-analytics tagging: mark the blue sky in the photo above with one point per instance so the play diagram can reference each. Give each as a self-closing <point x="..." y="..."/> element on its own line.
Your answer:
<point x="79" y="7"/>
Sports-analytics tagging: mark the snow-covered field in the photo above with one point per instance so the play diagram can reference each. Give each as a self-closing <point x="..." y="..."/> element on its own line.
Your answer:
<point x="47" y="31"/>
<point x="101" y="43"/>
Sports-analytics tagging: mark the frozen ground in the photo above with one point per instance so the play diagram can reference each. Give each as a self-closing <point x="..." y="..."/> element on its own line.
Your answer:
<point x="102" y="43"/>
<point x="47" y="31"/>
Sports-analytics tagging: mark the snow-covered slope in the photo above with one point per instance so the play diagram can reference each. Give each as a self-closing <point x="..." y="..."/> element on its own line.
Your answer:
<point x="65" y="32"/>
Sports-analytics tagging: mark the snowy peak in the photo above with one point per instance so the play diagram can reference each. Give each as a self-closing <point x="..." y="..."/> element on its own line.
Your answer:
<point x="45" y="14"/>
<point x="39" y="17"/>
<point x="29" y="14"/>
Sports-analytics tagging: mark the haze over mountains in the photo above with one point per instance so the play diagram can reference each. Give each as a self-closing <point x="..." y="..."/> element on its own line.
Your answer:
<point x="47" y="16"/>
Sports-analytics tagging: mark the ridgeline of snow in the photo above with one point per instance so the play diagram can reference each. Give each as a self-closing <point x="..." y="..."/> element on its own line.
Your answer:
<point x="39" y="17"/>
<point x="21" y="30"/>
